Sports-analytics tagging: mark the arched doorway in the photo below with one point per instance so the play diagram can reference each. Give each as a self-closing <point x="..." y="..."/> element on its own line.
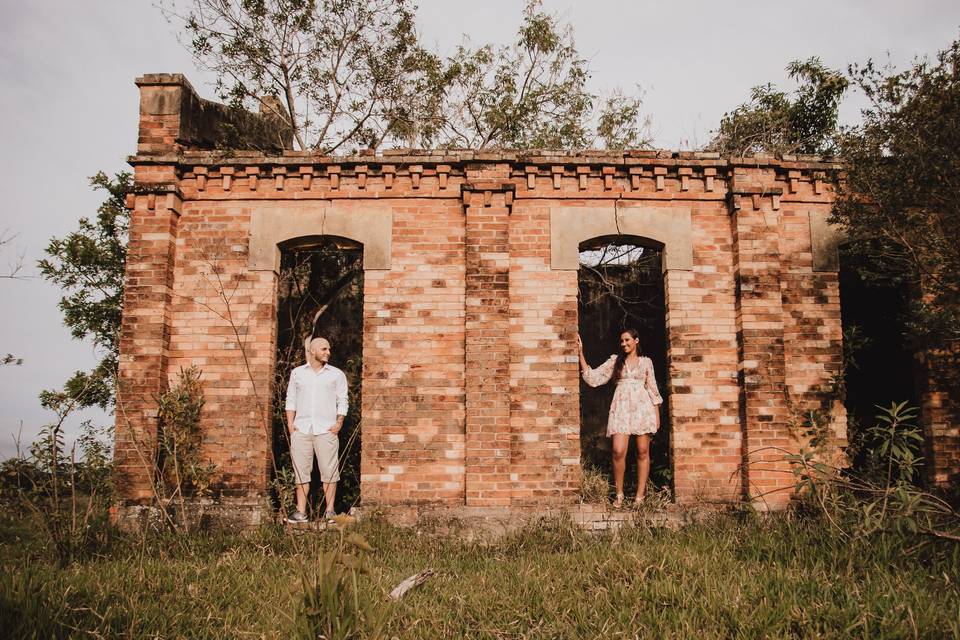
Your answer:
<point x="320" y="294"/>
<point x="621" y="285"/>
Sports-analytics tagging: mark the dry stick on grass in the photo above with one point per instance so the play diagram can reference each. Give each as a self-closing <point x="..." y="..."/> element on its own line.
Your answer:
<point x="413" y="581"/>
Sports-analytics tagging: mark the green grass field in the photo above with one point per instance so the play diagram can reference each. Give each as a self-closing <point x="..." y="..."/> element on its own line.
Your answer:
<point x="753" y="577"/>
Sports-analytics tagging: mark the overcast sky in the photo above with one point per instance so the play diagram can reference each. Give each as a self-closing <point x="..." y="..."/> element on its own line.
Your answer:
<point x="68" y="108"/>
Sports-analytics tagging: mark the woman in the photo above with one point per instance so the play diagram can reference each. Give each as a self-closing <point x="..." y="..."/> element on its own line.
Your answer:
<point x="634" y="409"/>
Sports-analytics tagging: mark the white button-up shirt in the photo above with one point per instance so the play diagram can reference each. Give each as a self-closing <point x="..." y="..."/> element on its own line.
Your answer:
<point x="318" y="397"/>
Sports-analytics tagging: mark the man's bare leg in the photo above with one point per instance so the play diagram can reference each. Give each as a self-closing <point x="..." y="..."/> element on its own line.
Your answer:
<point x="302" y="491"/>
<point x="329" y="495"/>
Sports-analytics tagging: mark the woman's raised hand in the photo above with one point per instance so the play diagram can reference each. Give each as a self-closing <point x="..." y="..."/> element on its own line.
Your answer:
<point x="579" y="344"/>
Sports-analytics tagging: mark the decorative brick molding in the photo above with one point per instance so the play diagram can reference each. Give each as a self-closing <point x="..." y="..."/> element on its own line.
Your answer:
<point x="274" y="224"/>
<point x="670" y="227"/>
<point x="825" y="242"/>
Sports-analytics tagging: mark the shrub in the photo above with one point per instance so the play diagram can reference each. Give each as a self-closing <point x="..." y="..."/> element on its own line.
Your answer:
<point x="67" y="493"/>
<point x="880" y="498"/>
<point x="181" y="471"/>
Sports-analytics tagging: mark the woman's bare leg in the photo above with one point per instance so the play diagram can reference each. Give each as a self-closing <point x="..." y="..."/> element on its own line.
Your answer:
<point x="643" y="464"/>
<point x="621" y="442"/>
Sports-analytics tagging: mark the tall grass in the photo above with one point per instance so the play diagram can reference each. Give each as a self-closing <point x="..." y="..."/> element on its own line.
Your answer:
<point x="746" y="576"/>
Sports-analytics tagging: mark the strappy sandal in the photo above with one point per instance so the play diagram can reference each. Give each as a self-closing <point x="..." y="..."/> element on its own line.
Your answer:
<point x="618" y="501"/>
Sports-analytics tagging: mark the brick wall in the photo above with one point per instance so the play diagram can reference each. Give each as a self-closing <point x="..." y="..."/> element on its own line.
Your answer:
<point x="223" y="320"/>
<point x="413" y="360"/>
<point x="543" y="371"/>
<point x="704" y="402"/>
<point x="470" y="376"/>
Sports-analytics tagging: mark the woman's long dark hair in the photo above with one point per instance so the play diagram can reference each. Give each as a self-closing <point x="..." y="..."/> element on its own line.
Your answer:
<point x="621" y="356"/>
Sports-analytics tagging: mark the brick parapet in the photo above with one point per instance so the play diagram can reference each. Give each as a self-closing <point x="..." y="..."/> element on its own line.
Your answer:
<point x="262" y="177"/>
<point x="630" y="157"/>
<point x="173" y="118"/>
<point x="666" y="176"/>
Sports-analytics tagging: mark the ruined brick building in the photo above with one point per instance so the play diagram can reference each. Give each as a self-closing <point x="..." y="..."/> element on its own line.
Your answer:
<point x="470" y="376"/>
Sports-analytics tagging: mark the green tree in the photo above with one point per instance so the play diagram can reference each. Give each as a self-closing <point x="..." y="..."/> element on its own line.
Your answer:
<point x="88" y="265"/>
<point x="774" y="121"/>
<point x="339" y="68"/>
<point x="351" y="73"/>
<point x="530" y="94"/>
<point x="899" y="204"/>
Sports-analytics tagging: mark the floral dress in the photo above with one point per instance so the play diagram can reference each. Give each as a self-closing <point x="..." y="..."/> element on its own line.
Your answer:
<point x="633" y="409"/>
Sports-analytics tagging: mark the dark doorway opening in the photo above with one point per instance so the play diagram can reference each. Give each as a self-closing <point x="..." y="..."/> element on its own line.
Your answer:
<point x="320" y="294"/>
<point x="620" y="282"/>
<point x="880" y="365"/>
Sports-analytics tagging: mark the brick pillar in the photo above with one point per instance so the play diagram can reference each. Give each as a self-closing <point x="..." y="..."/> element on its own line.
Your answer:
<point x="764" y="415"/>
<point x="144" y="337"/>
<point x="544" y="373"/>
<point x="487" y="346"/>
<point x="939" y="404"/>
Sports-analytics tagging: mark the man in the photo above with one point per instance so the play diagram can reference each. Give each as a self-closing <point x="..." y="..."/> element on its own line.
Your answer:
<point x="316" y="406"/>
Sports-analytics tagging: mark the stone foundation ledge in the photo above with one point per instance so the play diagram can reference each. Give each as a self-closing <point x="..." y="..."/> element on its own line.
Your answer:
<point x="224" y="514"/>
<point x="469" y="523"/>
<point x="492" y="522"/>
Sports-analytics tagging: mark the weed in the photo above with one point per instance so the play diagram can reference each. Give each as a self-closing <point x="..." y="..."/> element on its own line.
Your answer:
<point x="65" y="493"/>
<point x="331" y="605"/>
<point x="181" y="471"/>
<point x="880" y="498"/>
<point x="594" y="486"/>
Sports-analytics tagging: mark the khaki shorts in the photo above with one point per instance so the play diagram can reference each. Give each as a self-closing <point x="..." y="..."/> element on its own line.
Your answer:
<point x="327" y="448"/>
